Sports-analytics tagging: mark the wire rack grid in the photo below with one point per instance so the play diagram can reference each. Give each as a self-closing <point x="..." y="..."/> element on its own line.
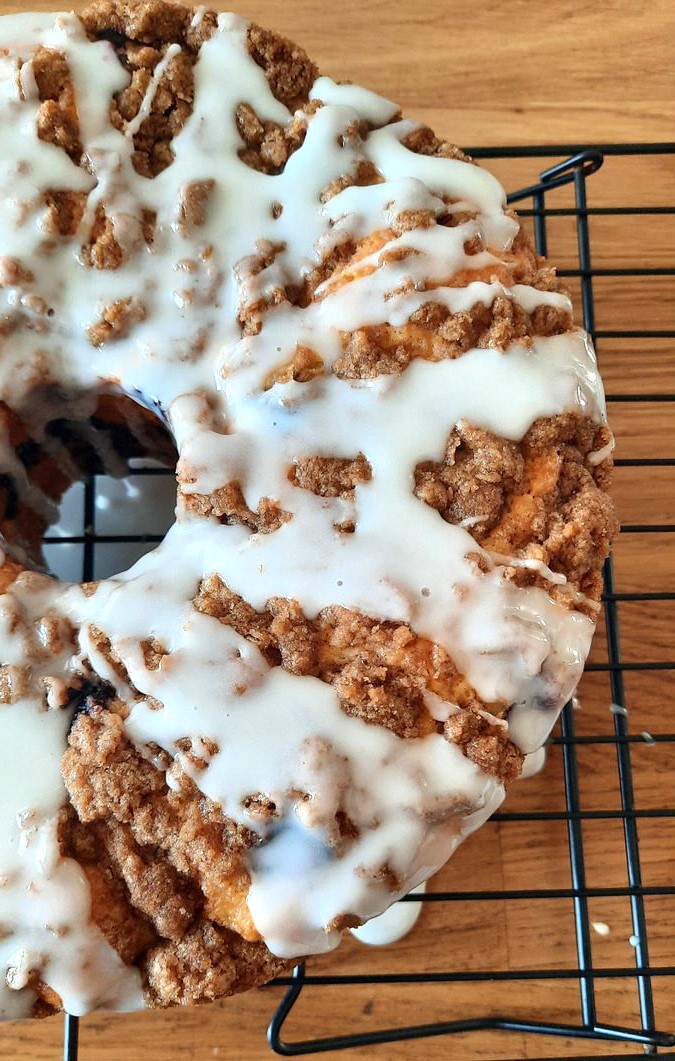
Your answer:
<point x="578" y="815"/>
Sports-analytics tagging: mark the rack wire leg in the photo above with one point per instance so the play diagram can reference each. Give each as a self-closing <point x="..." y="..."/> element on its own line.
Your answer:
<point x="71" y="1037"/>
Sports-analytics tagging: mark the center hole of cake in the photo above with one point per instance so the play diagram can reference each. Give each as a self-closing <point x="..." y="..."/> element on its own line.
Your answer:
<point x="125" y="505"/>
<point x="98" y="487"/>
<point x="106" y="524"/>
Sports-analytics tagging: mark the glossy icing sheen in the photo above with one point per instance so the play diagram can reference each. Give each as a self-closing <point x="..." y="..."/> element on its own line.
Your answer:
<point x="276" y="733"/>
<point x="392" y="925"/>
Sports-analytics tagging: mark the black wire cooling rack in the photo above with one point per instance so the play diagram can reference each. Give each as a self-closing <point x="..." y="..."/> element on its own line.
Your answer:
<point x="580" y="163"/>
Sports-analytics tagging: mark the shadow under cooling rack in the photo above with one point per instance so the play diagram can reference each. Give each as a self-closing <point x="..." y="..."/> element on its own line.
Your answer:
<point x="560" y="193"/>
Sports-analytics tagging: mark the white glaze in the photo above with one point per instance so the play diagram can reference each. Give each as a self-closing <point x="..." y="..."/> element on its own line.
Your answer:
<point x="601" y="927"/>
<point x="601" y="455"/>
<point x="276" y="733"/>
<point x="393" y="925"/>
<point x="373" y="108"/>
<point x="533" y="764"/>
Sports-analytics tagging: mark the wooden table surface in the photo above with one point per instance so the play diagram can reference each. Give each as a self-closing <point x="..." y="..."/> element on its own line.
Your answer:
<point x="524" y="72"/>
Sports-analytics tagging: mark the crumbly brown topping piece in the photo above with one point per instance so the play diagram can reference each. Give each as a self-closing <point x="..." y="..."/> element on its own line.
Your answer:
<point x="289" y="72"/>
<point x="268" y="145"/>
<point x="57" y="118"/>
<point x="228" y="506"/>
<point x="331" y="476"/>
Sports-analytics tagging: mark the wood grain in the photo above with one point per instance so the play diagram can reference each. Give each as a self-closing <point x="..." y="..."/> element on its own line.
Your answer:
<point x="506" y="74"/>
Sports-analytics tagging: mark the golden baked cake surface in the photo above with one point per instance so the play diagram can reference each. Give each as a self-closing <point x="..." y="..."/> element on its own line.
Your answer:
<point x="392" y="465"/>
